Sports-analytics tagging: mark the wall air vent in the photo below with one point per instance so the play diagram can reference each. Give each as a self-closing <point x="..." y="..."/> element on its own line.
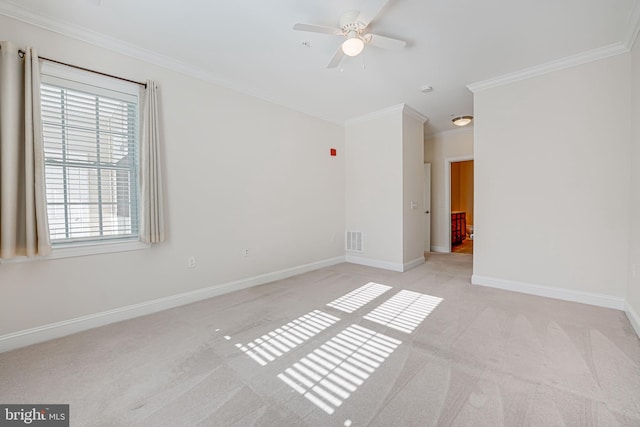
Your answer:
<point x="353" y="241"/>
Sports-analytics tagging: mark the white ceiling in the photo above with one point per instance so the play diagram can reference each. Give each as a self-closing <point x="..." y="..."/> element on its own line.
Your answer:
<point x="249" y="45"/>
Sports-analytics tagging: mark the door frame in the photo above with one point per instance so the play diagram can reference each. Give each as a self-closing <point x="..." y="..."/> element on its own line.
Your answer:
<point x="447" y="192"/>
<point x="427" y="202"/>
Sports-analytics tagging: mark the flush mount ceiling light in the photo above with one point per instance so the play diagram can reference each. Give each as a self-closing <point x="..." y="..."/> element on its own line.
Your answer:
<point x="462" y="120"/>
<point x="353" y="45"/>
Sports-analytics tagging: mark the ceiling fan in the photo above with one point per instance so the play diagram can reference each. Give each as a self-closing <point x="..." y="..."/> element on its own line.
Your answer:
<point x="352" y="27"/>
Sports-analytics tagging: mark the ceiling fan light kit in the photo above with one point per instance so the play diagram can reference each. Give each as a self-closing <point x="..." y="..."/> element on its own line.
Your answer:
<point x="353" y="45"/>
<point x="352" y="25"/>
<point x="462" y="120"/>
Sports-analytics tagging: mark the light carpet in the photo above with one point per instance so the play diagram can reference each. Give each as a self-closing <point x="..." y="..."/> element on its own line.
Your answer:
<point x="346" y="346"/>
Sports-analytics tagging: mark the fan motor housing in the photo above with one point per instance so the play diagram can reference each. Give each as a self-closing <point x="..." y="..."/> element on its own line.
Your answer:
<point x="348" y="22"/>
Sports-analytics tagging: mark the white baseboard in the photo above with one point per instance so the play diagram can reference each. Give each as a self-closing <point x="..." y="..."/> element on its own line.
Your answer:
<point x="441" y="249"/>
<point x="67" y="327"/>
<point x="634" y="319"/>
<point x="375" y="263"/>
<point x="600" y="300"/>
<point x="411" y="264"/>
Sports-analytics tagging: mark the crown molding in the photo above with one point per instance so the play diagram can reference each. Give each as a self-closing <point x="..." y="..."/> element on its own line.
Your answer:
<point x="415" y="114"/>
<point x="634" y="26"/>
<point x="466" y="129"/>
<point x="433" y="135"/>
<point x="375" y="114"/>
<point x="400" y="108"/>
<point x="549" y="67"/>
<point x="128" y="49"/>
<point x="83" y="34"/>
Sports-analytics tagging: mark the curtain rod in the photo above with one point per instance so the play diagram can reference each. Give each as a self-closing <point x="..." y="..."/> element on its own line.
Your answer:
<point x="21" y="53"/>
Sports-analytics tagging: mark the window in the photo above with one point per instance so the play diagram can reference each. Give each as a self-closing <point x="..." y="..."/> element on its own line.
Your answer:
<point x="91" y="141"/>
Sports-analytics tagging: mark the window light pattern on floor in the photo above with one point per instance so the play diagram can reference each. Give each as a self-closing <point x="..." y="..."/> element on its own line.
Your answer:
<point x="404" y="311"/>
<point x="330" y="374"/>
<point x="287" y="337"/>
<point x="359" y="297"/>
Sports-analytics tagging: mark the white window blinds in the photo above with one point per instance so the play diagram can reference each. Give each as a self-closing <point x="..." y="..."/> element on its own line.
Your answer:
<point x="91" y="161"/>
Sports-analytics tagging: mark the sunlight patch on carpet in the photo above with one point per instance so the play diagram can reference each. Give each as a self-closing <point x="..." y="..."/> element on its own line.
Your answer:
<point x="404" y="311"/>
<point x="331" y="373"/>
<point x="287" y="337"/>
<point x="359" y="297"/>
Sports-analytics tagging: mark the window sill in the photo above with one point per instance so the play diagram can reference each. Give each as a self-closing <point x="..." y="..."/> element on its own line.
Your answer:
<point x="84" y="249"/>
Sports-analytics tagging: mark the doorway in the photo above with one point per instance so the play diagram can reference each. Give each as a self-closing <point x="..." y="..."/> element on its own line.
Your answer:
<point x="460" y="204"/>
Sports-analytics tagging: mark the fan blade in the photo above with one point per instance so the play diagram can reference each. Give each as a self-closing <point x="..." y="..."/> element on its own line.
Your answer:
<point x="317" y="29"/>
<point x="335" y="61"/>
<point x="371" y="10"/>
<point x="384" y="42"/>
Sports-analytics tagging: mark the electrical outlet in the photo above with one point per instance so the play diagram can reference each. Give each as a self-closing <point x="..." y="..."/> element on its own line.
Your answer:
<point x="245" y="252"/>
<point x="191" y="262"/>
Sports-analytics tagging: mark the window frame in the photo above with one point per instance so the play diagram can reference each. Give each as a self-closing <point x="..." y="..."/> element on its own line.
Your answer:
<point x="69" y="77"/>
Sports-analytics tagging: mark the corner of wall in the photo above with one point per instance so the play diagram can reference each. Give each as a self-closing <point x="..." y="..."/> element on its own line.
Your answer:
<point x="633" y="282"/>
<point x="634" y="318"/>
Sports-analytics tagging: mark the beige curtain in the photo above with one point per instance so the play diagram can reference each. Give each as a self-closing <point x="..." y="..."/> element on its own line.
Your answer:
<point x="153" y="227"/>
<point x="24" y="229"/>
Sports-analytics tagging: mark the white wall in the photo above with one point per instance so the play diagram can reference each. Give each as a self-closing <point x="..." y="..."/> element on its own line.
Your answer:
<point x="240" y="173"/>
<point x="437" y="149"/>
<point x="552" y="180"/>
<point x="633" y="289"/>
<point x="384" y="174"/>
<point x="374" y="187"/>
<point x="413" y="188"/>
